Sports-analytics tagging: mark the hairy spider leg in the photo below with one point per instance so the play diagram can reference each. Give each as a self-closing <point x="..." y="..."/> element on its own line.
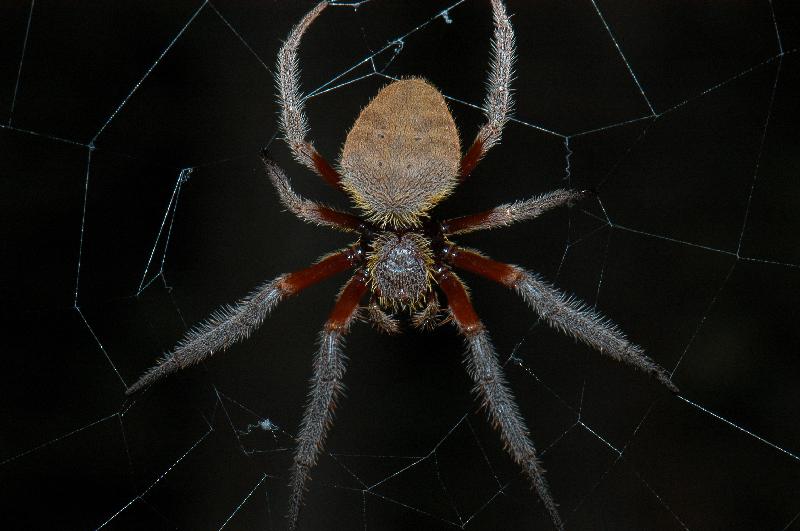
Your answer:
<point x="560" y="311"/>
<point x="326" y="385"/>
<point x="292" y="102"/>
<point x="231" y="324"/>
<point x="491" y="386"/>
<point x="498" y="101"/>
<point x="508" y="213"/>
<point x="305" y="209"/>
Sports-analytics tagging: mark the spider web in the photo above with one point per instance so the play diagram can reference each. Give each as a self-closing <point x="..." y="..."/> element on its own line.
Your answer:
<point x="134" y="205"/>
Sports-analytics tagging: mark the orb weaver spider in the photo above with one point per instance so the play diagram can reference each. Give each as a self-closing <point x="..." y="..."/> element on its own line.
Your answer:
<point x="401" y="158"/>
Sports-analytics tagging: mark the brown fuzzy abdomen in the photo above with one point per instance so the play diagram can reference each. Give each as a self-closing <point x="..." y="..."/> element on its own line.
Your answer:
<point x="402" y="155"/>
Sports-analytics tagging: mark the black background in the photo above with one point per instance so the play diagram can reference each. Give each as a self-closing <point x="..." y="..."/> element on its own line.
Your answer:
<point x="74" y="451"/>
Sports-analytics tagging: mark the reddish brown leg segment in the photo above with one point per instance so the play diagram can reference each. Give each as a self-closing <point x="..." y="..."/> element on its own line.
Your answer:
<point x="347" y="304"/>
<point x="325" y="170"/>
<point x="303" y="208"/>
<point x="471" y="158"/>
<point x="497" y="103"/>
<point x="492" y="388"/>
<point x="340" y="219"/>
<point x="327" y="267"/>
<point x="476" y="263"/>
<point x="508" y="213"/>
<point x="562" y="312"/>
<point x="293" y="119"/>
<point x="231" y="324"/>
<point x="464" y="223"/>
<point x="458" y="301"/>
<point x="326" y="385"/>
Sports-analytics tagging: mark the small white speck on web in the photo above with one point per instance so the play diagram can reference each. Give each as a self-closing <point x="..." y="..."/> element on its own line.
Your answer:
<point x="267" y="425"/>
<point x="446" y="16"/>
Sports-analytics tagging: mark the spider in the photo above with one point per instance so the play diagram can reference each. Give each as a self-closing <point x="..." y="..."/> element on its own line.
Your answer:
<point x="402" y="157"/>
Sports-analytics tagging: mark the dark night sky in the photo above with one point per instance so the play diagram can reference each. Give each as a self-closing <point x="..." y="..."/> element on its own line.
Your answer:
<point x="691" y="246"/>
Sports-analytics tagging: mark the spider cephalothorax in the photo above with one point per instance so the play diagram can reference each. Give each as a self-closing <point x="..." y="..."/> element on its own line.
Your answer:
<point x="399" y="266"/>
<point x="400" y="159"/>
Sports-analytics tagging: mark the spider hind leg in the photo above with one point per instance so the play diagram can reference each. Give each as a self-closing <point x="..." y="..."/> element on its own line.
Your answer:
<point x="326" y="386"/>
<point x="491" y="386"/>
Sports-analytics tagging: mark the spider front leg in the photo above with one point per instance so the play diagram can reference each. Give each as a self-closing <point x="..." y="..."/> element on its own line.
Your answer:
<point x="498" y="100"/>
<point x="491" y="386"/>
<point x="292" y="102"/>
<point x="560" y="311"/>
<point x="231" y="324"/>
<point x="326" y="385"/>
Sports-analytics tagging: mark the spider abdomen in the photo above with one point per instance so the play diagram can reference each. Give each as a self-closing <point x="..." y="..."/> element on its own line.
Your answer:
<point x="399" y="268"/>
<point x="402" y="155"/>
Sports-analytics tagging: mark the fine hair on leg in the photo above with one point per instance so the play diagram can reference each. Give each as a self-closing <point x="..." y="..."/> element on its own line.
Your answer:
<point x="496" y="397"/>
<point x="326" y="386"/>
<point x="508" y="213"/>
<point x="294" y="124"/>
<point x="226" y="326"/>
<point x="498" y="102"/>
<point x="492" y="388"/>
<point x="565" y="313"/>
<point x="381" y="320"/>
<point x="231" y="324"/>
<point x="293" y="118"/>
<point x="428" y="317"/>
<point x="571" y="316"/>
<point x="305" y="209"/>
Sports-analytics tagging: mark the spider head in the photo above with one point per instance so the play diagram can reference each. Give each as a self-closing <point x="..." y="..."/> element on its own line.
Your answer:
<point x="402" y="155"/>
